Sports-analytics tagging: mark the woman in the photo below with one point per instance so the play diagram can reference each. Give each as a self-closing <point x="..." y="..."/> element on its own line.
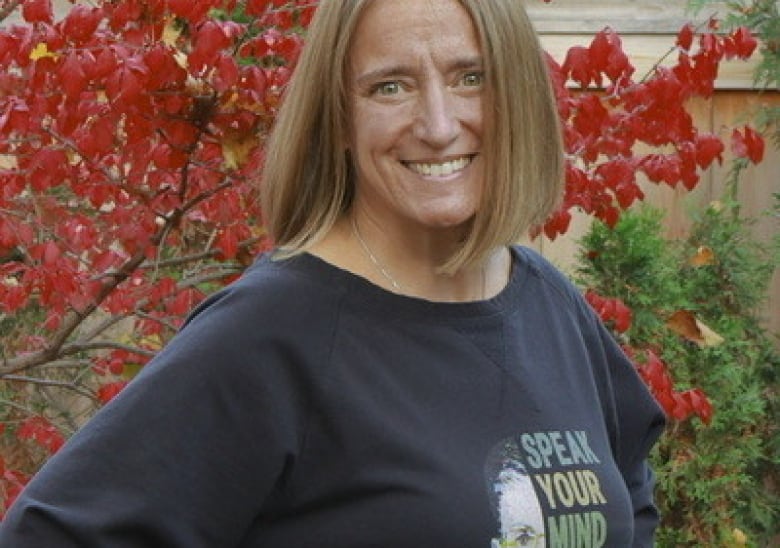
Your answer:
<point x="395" y="374"/>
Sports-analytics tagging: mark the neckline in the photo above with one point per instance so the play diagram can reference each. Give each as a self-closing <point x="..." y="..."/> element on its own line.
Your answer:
<point x="371" y="297"/>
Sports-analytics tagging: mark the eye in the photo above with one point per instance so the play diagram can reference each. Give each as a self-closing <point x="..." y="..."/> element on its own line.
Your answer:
<point x="473" y="79"/>
<point x="387" y="88"/>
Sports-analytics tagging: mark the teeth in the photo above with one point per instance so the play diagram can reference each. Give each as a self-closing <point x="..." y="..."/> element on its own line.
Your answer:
<point x="439" y="170"/>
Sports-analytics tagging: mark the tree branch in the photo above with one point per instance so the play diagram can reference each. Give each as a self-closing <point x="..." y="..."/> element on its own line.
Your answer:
<point x="76" y="347"/>
<point x="8" y="9"/>
<point x="49" y="382"/>
<point x="179" y="261"/>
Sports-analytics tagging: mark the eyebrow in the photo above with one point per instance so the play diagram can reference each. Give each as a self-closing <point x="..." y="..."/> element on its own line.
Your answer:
<point x="392" y="71"/>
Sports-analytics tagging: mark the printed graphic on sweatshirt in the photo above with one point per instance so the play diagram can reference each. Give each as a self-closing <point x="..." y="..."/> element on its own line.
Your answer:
<point x="545" y="491"/>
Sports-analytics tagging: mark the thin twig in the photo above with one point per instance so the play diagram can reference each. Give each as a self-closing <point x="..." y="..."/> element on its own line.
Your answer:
<point x="8" y="9"/>
<point x="76" y="347"/>
<point x="49" y="382"/>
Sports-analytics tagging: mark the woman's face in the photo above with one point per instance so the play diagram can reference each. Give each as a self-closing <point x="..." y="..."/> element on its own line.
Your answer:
<point x="415" y="84"/>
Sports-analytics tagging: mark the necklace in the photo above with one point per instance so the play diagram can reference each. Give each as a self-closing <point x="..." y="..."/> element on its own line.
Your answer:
<point x="387" y="276"/>
<point x="382" y="270"/>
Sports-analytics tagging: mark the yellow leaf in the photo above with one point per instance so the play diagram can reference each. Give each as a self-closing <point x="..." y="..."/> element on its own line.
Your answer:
<point x="740" y="538"/>
<point x="171" y="32"/>
<point x="711" y="338"/>
<point x="152" y="342"/>
<point x="689" y="327"/>
<point x="41" y="51"/>
<point x="704" y="256"/>
<point x="236" y="150"/>
<point x="131" y="370"/>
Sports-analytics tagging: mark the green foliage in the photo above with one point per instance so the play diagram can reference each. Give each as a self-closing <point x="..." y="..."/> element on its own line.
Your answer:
<point x="617" y="263"/>
<point x="714" y="482"/>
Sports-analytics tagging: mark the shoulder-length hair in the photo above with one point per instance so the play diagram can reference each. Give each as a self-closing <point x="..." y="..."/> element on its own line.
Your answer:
<point x="307" y="180"/>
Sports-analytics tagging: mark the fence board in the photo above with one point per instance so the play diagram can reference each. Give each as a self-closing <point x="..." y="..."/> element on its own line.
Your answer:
<point x="625" y="16"/>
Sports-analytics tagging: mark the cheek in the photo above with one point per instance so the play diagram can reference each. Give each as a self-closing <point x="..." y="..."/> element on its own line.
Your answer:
<point x="472" y="116"/>
<point x="374" y="133"/>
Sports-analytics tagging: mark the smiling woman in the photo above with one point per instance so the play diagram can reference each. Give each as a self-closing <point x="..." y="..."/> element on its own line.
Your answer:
<point x="395" y="372"/>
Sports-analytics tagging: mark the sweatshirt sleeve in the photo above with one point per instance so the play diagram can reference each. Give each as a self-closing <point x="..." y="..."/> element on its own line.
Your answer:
<point x="192" y="451"/>
<point x="636" y="421"/>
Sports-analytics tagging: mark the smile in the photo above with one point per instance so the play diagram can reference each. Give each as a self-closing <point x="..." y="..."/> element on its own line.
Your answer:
<point x="440" y="169"/>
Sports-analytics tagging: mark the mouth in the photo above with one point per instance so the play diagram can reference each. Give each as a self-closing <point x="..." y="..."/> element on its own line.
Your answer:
<point x="440" y="169"/>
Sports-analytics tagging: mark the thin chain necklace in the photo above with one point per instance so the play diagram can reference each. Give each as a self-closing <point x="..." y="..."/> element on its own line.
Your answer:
<point x="383" y="271"/>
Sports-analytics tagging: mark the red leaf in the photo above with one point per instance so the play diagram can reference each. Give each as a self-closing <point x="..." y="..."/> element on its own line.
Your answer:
<point x="749" y="144"/>
<point x="557" y="224"/>
<point x="666" y="400"/>
<point x="209" y="39"/>
<point x="46" y="168"/>
<point x="290" y="47"/>
<point x="108" y="391"/>
<point x="617" y="172"/>
<point x="253" y="80"/>
<point x="661" y="168"/>
<point x="105" y="63"/>
<point x="226" y="73"/>
<point x="12" y="298"/>
<point x="744" y="43"/>
<point x="681" y="408"/>
<point x="609" y="214"/>
<point x="42" y="432"/>
<point x="685" y="37"/>
<point x="179" y="133"/>
<point x="74" y="79"/>
<point x="699" y="404"/>
<point x="227" y="242"/>
<point x="607" y="56"/>
<point x="612" y="311"/>
<point x="577" y="65"/>
<point x="182" y="302"/>
<point x="124" y="87"/>
<point x="182" y="8"/>
<point x="257" y="7"/>
<point x="81" y="22"/>
<point x="50" y="253"/>
<point x="708" y="149"/>
<point x="11" y="482"/>
<point x="105" y="260"/>
<point x="16" y="116"/>
<point x="37" y="11"/>
<point x="591" y="116"/>
<point x="308" y="12"/>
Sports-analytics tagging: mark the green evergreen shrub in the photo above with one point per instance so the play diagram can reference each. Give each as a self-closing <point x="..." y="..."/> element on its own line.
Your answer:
<point x="716" y="483"/>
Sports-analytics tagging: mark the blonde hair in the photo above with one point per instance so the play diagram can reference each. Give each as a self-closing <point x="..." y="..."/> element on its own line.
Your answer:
<point x="307" y="182"/>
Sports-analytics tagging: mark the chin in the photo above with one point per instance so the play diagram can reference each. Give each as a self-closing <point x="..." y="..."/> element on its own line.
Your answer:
<point x="450" y="222"/>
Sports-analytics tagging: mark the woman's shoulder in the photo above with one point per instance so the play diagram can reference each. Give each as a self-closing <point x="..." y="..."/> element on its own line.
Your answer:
<point x="270" y="291"/>
<point x="273" y="309"/>
<point x="285" y="283"/>
<point x="546" y="274"/>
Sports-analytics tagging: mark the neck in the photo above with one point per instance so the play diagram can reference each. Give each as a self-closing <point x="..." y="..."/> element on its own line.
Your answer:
<point x="399" y="269"/>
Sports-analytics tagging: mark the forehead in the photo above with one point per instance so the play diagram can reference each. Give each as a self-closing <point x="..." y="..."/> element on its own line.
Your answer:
<point x="400" y="28"/>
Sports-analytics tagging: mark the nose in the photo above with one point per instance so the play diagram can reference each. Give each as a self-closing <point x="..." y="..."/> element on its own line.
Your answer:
<point x="437" y="122"/>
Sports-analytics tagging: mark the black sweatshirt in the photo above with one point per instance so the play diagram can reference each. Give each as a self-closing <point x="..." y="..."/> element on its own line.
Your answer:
<point x="305" y="407"/>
